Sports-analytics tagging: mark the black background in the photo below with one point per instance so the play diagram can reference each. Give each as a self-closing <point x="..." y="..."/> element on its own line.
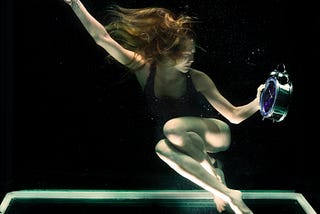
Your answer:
<point x="70" y="119"/>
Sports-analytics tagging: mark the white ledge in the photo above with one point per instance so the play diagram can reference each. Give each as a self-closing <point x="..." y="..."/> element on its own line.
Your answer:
<point x="195" y="195"/>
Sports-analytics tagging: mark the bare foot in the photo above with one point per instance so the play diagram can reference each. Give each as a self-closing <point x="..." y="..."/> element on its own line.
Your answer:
<point x="237" y="204"/>
<point x="221" y="204"/>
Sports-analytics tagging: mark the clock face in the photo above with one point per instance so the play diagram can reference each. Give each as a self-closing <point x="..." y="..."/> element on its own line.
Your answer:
<point x="268" y="97"/>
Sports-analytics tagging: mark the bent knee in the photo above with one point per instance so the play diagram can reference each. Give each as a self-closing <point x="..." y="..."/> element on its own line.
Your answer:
<point x="218" y="143"/>
<point x="225" y="142"/>
<point x="225" y="146"/>
<point x="161" y="147"/>
<point x="174" y="131"/>
<point x="173" y="127"/>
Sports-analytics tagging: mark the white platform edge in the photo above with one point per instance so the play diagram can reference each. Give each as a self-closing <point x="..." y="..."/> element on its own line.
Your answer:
<point x="147" y="194"/>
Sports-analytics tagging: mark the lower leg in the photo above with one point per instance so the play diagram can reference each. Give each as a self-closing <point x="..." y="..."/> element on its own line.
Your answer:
<point x="193" y="145"/>
<point x="195" y="172"/>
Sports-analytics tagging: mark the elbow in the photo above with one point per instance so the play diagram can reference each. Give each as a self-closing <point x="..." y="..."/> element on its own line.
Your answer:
<point x="240" y="117"/>
<point x="235" y="117"/>
<point x="100" y="38"/>
<point x="235" y="120"/>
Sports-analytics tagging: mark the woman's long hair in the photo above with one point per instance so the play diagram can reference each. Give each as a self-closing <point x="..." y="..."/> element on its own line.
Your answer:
<point x="151" y="32"/>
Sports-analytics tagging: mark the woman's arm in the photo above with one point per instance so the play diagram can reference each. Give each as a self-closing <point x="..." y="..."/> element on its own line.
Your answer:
<point x="235" y="114"/>
<point x="102" y="38"/>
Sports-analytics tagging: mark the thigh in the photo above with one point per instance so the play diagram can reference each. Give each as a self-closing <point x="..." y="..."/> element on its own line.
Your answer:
<point x="215" y="133"/>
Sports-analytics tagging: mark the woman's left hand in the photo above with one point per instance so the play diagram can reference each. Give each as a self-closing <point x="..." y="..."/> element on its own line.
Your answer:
<point x="259" y="91"/>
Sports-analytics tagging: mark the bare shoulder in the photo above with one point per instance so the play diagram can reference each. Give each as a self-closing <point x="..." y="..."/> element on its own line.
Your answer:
<point x="200" y="79"/>
<point x="198" y="75"/>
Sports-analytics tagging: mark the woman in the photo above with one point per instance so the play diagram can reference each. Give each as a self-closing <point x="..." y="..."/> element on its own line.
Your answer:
<point x="158" y="47"/>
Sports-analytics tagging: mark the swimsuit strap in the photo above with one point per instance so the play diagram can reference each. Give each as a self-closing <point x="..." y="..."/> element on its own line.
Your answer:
<point x="149" y="87"/>
<point x="190" y="85"/>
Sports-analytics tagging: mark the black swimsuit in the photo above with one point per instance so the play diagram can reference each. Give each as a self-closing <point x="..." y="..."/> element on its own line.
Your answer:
<point x="192" y="103"/>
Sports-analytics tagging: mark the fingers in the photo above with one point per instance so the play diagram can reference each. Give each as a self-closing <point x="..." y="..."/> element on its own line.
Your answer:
<point x="220" y="204"/>
<point x="261" y="87"/>
<point x="69" y="2"/>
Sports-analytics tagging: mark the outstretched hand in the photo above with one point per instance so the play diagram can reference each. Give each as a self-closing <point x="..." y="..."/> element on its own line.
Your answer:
<point x="73" y="3"/>
<point x="69" y="2"/>
<point x="259" y="90"/>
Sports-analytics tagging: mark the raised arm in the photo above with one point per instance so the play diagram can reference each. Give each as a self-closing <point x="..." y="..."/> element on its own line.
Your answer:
<point x="235" y="114"/>
<point x="102" y="38"/>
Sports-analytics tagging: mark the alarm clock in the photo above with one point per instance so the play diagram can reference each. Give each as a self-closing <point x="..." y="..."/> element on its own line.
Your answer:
<point x="275" y="97"/>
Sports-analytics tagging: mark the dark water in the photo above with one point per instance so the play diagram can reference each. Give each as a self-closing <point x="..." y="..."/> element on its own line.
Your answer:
<point x="71" y="120"/>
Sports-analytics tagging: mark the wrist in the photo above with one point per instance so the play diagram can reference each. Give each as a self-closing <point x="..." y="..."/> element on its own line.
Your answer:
<point x="258" y="103"/>
<point x="75" y="4"/>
